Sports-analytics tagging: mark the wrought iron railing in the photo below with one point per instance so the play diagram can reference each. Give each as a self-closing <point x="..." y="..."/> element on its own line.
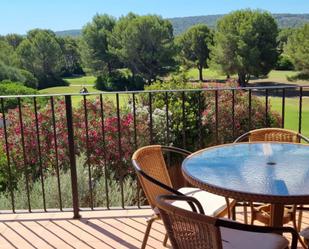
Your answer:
<point x="132" y="100"/>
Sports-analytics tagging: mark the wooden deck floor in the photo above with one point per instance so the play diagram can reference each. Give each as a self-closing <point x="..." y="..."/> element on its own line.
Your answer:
<point x="96" y="229"/>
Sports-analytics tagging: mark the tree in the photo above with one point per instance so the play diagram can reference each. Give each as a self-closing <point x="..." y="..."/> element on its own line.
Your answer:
<point x="283" y="37"/>
<point x="95" y="53"/>
<point x="245" y="44"/>
<point x="7" y="54"/>
<point x="40" y="54"/>
<point x="71" y="56"/>
<point x="9" y="67"/>
<point x="14" y="88"/>
<point x="194" y="47"/>
<point x="297" y="49"/>
<point x="14" y="39"/>
<point x="145" y="45"/>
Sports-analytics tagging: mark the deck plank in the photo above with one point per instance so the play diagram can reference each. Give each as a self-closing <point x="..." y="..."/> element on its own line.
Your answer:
<point x="110" y="229"/>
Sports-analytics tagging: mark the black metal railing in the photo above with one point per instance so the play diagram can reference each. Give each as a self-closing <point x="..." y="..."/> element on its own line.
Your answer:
<point x="37" y="171"/>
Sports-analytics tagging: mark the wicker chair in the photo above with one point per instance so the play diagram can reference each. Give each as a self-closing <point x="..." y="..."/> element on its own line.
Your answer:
<point x="155" y="180"/>
<point x="187" y="229"/>
<point x="261" y="212"/>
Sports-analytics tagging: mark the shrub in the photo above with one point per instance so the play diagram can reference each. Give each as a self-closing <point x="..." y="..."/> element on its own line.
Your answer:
<point x="14" y="74"/>
<point x="241" y="118"/>
<point x="51" y="81"/>
<point x="118" y="81"/>
<point x="52" y="194"/>
<point x="184" y="125"/>
<point x="284" y="63"/>
<point x="30" y="80"/>
<point x="10" y="73"/>
<point x="4" y="176"/>
<point x="117" y="160"/>
<point x="47" y="142"/>
<point x="13" y="88"/>
<point x="196" y="126"/>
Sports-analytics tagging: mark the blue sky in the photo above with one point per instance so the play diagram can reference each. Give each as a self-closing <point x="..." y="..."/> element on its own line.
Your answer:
<point x="18" y="16"/>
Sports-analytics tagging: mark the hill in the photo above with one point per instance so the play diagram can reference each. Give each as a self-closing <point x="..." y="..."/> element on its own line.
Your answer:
<point x="71" y="32"/>
<point x="180" y="24"/>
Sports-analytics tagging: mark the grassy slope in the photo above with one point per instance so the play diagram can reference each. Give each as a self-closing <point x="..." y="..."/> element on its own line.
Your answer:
<point x="291" y="113"/>
<point x="123" y="98"/>
<point x="274" y="76"/>
<point x="86" y="80"/>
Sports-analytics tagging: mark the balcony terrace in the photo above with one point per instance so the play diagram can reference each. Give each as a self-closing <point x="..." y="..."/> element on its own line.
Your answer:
<point x="45" y="137"/>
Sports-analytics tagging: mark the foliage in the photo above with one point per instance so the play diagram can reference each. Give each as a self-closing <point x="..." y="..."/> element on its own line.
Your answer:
<point x="14" y="40"/>
<point x="193" y="115"/>
<point x="29" y="79"/>
<point x="40" y="54"/>
<point x="145" y="45"/>
<point x="13" y="88"/>
<point x="283" y="37"/>
<point x="284" y="63"/>
<point x="7" y="54"/>
<point x="26" y="135"/>
<point x="184" y="111"/>
<point x="71" y="57"/>
<point x="4" y="176"/>
<point x="194" y="47"/>
<point x="10" y="73"/>
<point x="241" y="116"/>
<point x="95" y="52"/>
<point x="297" y="49"/>
<point x="52" y="194"/>
<point x="118" y="81"/>
<point x="9" y="65"/>
<point x="118" y="158"/>
<point x="245" y="44"/>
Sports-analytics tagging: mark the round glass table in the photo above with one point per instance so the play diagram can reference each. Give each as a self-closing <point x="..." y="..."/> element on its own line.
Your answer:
<point x="269" y="172"/>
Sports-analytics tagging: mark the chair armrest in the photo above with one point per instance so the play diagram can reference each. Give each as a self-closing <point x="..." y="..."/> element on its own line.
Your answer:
<point x="176" y="150"/>
<point x="186" y="198"/>
<point x="160" y="184"/>
<point x="260" y="229"/>
<point x="239" y="139"/>
<point x="303" y="137"/>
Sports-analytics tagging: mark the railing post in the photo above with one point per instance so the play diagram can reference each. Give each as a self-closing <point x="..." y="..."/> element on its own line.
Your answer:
<point x="68" y="107"/>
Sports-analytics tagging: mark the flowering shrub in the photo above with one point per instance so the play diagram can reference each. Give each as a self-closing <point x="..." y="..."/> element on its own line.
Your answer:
<point x="114" y="144"/>
<point x="183" y="124"/>
<point x="116" y="149"/>
<point x="241" y="115"/>
<point x="197" y="127"/>
<point x="111" y="143"/>
<point x="25" y="133"/>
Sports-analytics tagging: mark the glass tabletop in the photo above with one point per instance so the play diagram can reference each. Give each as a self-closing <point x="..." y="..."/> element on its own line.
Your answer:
<point x="279" y="169"/>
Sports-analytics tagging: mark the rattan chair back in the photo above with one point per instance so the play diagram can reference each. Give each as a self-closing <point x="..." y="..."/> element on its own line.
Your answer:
<point x="151" y="161"/>
<point x="187" y="229"/>
<point x="272" y="135"/>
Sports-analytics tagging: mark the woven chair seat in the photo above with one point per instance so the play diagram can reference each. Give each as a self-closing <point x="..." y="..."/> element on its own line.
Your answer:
<point x="212" y="204"/>
<point x="232" y="239"/>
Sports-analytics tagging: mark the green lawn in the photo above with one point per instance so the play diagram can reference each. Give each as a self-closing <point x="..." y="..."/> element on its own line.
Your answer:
<point x="291" y="113"/>
<point x="208" y="74"/>
<point x="66" y="89"/>
<point x="123" y="98"/>
<point x="82" y="81"/>
<point x="275" y="76"/>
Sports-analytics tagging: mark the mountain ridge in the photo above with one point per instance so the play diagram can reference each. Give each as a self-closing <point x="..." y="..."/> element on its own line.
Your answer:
<point x="181" y="24"/>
